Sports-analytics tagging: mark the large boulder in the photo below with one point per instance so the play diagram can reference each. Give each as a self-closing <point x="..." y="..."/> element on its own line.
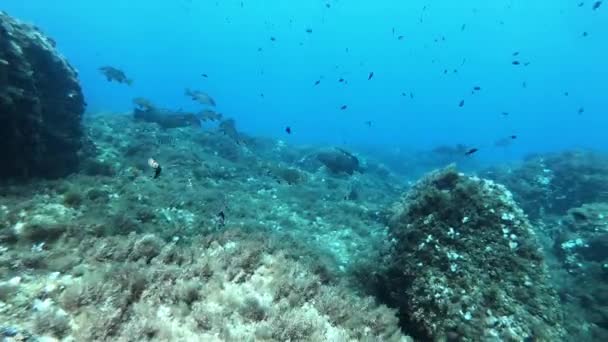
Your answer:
<point x="465" y="265"/>
<point x="41" y="105"/>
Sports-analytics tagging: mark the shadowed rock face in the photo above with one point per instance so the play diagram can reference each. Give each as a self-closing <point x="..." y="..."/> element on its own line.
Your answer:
<point x="41" y="105"/>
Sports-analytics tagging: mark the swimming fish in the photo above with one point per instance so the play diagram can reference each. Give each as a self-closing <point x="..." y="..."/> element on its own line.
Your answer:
<point x="581" y="110"/>
<point x="368" y="123"/>
<point x="205" y="75"/>
<point x="515" y="63"/>
<point x="471" y="151"/>
<point x="155" y="166"/>
<point x="477" y="88"/>
<point x="117" y="75"/>
<point x="461" y="103"/>
<point x="288" y="130"/>
<point x="341" y="80"/>
<point x="343" y="107"/>
<point x="597" y="5"/>
<point x="308" y="30"/>
<point x="317" y="82"/>
<point x="200" y="97"/>
<point x="371" y="74"/>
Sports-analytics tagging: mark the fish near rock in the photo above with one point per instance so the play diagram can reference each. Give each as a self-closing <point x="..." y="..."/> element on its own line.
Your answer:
<point x="200" y="97"/>
<point x="115" y="75"/>
<point x="339" y="161"/>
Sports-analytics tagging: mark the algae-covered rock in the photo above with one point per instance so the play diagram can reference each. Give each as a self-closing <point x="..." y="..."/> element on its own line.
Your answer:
<point x="41" y="104"/>
<point x="466" y="266"/>
<point x="339" y="161"/>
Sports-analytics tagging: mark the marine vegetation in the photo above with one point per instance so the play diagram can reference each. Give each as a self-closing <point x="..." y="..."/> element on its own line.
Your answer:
<point x="465" y="264"/>
<point x="41" y="105"/>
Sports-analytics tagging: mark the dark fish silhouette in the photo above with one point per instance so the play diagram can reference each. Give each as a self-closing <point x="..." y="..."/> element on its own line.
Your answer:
<point x="461" y="103"/>
<point x="273" y="39"/>
<point x="371" y="74"/>
<point x="309" y="30"/>
<point x="205" y="75"/>
<point x="343" y="107"/>
<point x="504" y="113"/>
<point x="477" y="88"/>
<point x="516" y="53"/>
<point x="341" y="80"/>
<point x="200" y="97"/>
<point x="368" y="123"/>
<point x="597" y="5"/>
<point x="581" y="110"/>
<point x="471" y="151"/>
<point x="317" y="82"/>
<point x="515" y="63"/>
<point x="113" y="74"/>
<point x="288" y="130"/>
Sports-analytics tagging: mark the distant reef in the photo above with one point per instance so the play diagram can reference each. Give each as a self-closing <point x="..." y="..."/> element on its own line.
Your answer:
<point x="41" y="105"/>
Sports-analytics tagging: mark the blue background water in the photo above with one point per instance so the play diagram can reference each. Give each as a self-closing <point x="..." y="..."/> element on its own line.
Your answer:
<point x="165" y="46"/>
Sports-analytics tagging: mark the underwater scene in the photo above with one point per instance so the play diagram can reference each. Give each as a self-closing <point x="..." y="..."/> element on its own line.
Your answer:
<point x="303" y="170"/>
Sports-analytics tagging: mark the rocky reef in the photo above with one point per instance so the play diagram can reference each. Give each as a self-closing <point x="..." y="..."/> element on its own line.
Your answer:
<point x="152" y="259"/>
<point x="553" y="184"/>
<point x="41" y="105"/>
<point x="465" y="265"/>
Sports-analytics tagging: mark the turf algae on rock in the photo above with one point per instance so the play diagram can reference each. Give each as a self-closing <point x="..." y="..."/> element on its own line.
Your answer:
<point x="41" y="105"/>
<point x="465" y="264"/>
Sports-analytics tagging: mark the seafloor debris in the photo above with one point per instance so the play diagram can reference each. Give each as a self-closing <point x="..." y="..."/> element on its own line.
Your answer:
<point x="41" y="104"/>
<point x="466" y="266"/>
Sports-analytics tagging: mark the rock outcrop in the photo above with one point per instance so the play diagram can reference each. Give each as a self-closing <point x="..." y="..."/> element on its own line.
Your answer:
<point x="465" y="265"/>
<point x="41" y="105"/>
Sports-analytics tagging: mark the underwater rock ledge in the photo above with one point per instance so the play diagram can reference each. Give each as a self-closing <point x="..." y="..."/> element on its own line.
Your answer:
<point x="41" y="105"/>
<point x="465" y="265"/>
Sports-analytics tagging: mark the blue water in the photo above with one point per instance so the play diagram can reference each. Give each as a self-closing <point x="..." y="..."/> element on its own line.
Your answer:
<point x="165" y="46"/>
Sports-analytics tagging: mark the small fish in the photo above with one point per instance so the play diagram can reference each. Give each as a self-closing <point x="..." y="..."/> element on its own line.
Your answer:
<point x="328" y="5"/>
<point x="344" y="107"/>
<point x="515" y="63"/>
<point x="581" y="110"/>
<point x="368" y="123"/>
<point x="597" y="5"/>
<point x="341" y="80"/>
<point x="526" y="63"/>
<point x="516" y="53"/>
<point x="463" y="27"/>
<point x="411" y="95"/>
<point x="308" y="30"/>
<point x="524" y="85"/>
<point x="200" y="97"/>
<point x="371" y="74"/>
<point x="581" y="4"/>
<point x="403" y="94"/>
<point x="317" y="82"/>
<point x="205" y="75"/>
<point x="566" y="93"/>
<point x="585" y="34"/>
<point x="400" y="38"/>
<point x="505" y="113"/>
<point x="288" y="130"/>
<point x="461" y="103"/>
<point x="155" y="166"/>
<point x="117" y="75"/>
<point x="273" y="39"/>
<point x="471" y="151"/>
<point x="222" y="217"/>
<point x="477" y="88"/>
